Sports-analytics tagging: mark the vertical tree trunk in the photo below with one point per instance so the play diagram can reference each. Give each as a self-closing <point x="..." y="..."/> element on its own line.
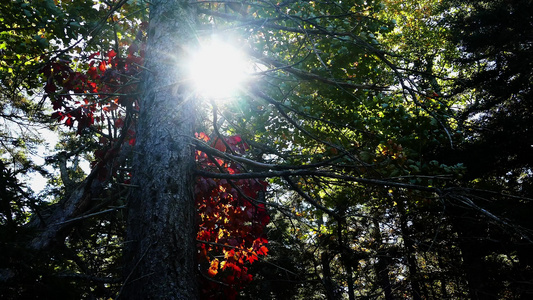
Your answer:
<point x="160" y="255"/>
<point x="329" y="283"/>
<point x="409" y="252"/>
<point x="347" y="262"/>
<point x="382" y="264"/>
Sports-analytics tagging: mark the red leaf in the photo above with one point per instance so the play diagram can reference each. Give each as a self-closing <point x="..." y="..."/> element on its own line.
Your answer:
<point x="263" y="250"/>
<point x="69" y="122"/>
<point x="58" y="115"/>
<point x="92" y="73"/>
<point x="219" y="145"/>
<point x="213" y="270"/>
<point x="234" y="140"/>
<point x="202" y="136"/>
<point x="251" y="258"/>
<point x="93" y="55"/>
<point x="102" y="66"/>
<point x="92" y="86"/>
<point x="111" y="54"/>
<point x="234" y="267"/>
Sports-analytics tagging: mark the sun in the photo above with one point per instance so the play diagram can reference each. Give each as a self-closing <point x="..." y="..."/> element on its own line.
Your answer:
<point x="218" y="70"/>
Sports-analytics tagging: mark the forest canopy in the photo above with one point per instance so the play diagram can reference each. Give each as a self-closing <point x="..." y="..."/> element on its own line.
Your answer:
<point x="174" y="149"/>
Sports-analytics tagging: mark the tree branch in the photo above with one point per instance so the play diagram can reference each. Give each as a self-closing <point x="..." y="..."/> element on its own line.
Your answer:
<point x="200" y="145"/>
<point x="77" y="203"/>
<point x="284" y="173"/>
<point x="313" y="77"/>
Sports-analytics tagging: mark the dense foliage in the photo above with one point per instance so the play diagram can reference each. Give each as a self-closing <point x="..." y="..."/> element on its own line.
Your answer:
<point x="380" y="149"/>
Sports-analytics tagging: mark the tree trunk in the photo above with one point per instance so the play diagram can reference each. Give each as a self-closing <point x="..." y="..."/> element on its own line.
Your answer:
<point x="161" y="251"/>
<point x="382" y="263"/>
<point x="409" y="252"/>
<point x="328" y="282"/>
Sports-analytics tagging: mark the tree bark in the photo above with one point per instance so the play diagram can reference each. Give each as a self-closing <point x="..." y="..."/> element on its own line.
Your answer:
<point x="382" y="264"/>
<point x="328" y="282"/>
<point x="161" y="251"/>
<point x="409" y="252"/>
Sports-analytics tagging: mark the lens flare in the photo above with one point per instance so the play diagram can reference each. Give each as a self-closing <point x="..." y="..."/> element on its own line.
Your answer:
<point x="218" y="69"/>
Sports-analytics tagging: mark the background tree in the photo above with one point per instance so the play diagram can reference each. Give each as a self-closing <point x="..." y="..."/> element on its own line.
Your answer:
<point x="496" y="81"/>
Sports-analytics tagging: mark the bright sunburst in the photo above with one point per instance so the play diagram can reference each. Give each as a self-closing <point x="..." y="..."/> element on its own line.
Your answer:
<point x="218" y="69"/>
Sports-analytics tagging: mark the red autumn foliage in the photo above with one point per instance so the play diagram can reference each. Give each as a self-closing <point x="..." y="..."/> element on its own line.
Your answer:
<point x="231" y="217"/>
<point x="232" y="220"/>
